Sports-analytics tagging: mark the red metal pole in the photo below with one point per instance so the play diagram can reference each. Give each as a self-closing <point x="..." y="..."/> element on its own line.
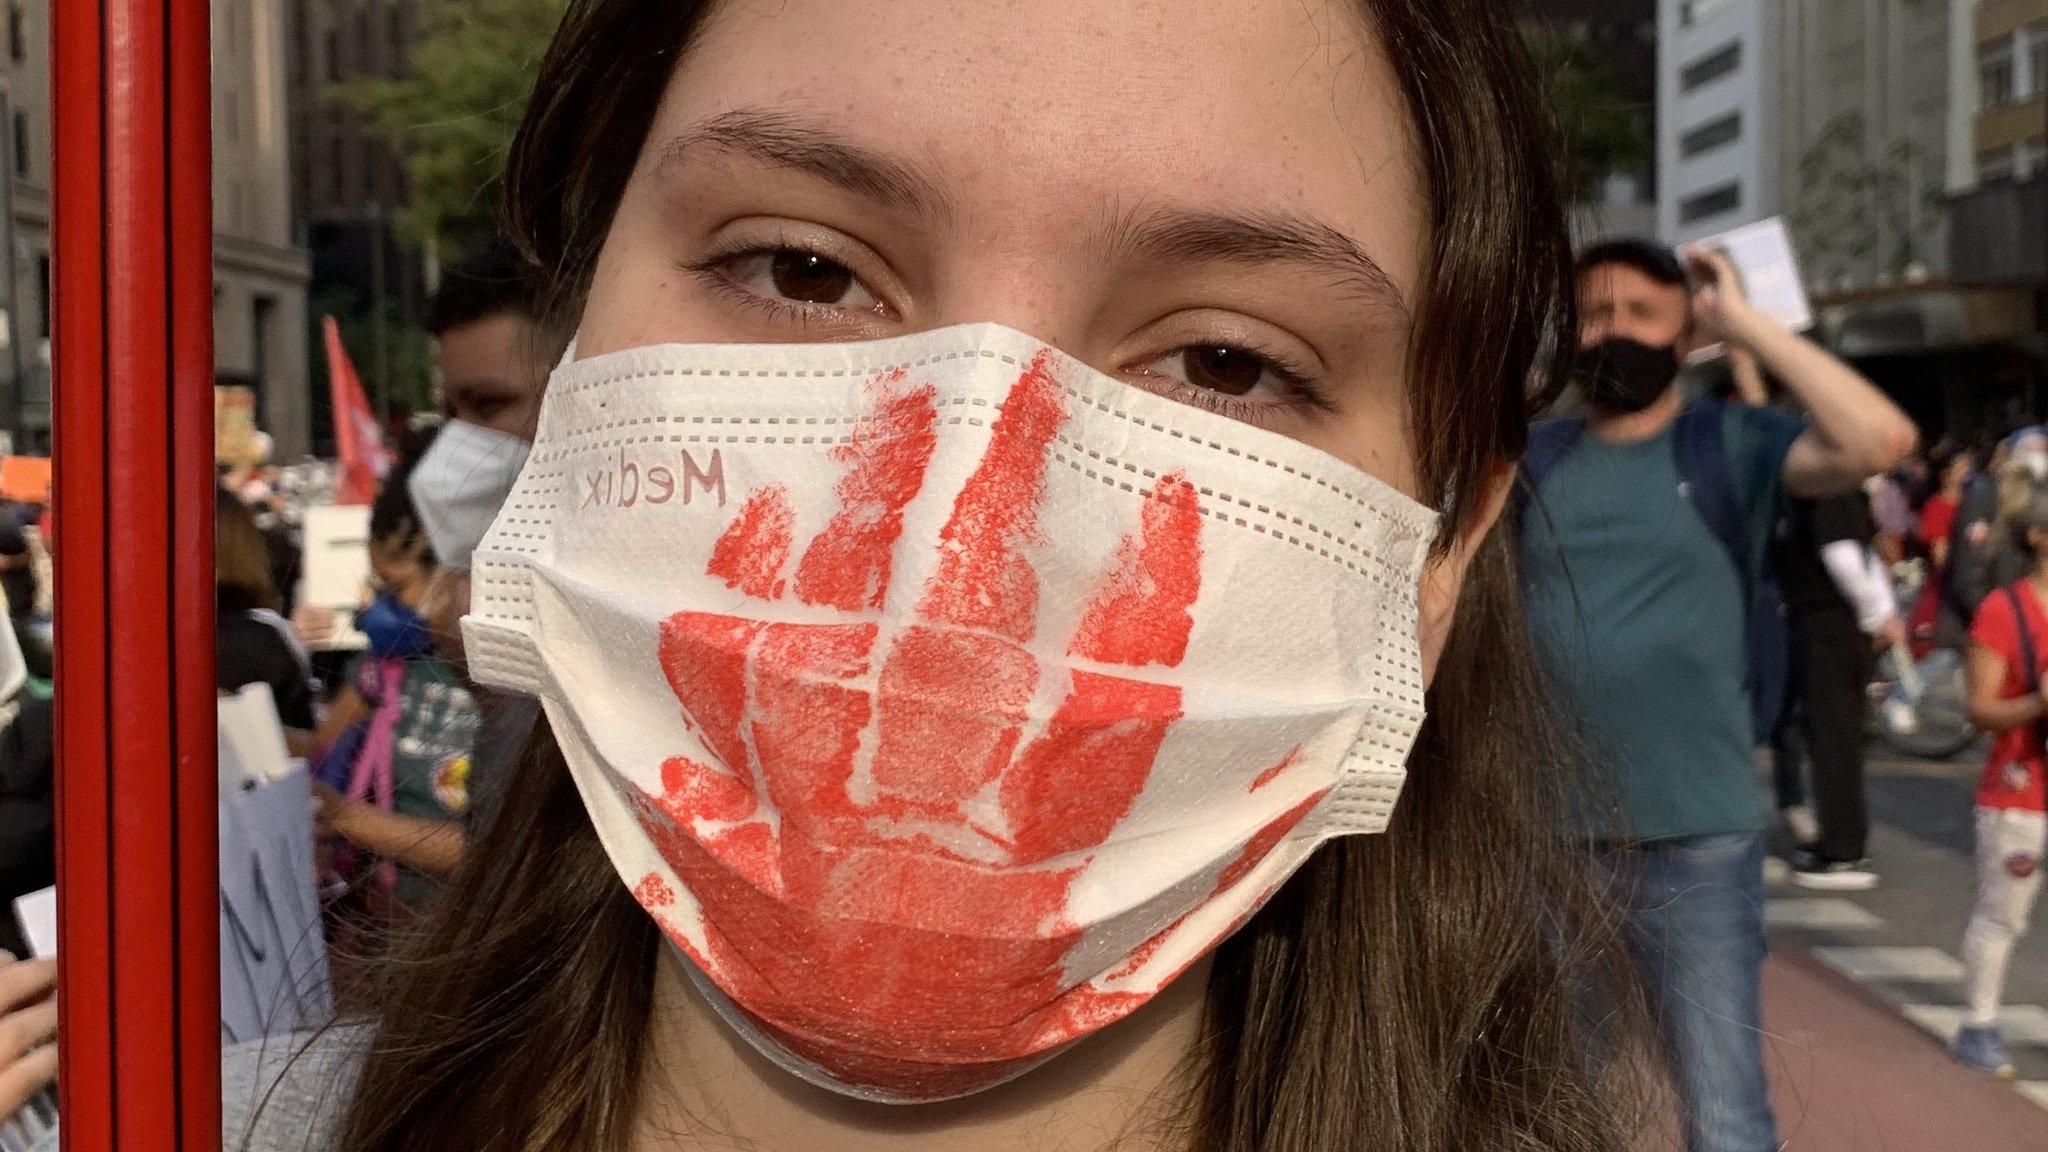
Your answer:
<point x="137" y="883"/>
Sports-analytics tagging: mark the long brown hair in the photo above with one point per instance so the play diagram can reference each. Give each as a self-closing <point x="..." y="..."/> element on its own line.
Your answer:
<point x="1412" y="991"/>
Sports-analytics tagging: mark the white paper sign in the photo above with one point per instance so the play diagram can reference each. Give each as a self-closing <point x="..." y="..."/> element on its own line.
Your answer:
<point x="1769" y="270"/>
<point x="273" y="975"/>
<point x="252" y="733"/>
<point x="337" y="556"/>
<point x="37" y="913"/>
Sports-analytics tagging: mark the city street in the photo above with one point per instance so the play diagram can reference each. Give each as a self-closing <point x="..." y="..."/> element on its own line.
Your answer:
<point x="1862" y="990"/>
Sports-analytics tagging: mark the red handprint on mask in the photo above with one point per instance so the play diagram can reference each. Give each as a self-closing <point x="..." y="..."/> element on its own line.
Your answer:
<point x="884" y="851"/>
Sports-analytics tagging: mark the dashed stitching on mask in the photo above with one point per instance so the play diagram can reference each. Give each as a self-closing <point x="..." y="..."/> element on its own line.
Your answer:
<point x="1066" y="388"/>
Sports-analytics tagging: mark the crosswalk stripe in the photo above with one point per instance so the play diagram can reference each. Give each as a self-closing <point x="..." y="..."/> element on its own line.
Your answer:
<point x="2035" y="1090"/>
<point x="2017" y="1023"/>
<point x="1818" y="913"/>
<point x="1922" y="965"/>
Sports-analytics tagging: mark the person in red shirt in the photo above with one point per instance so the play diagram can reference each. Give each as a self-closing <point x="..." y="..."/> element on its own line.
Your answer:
<point x="1936" y="619"/>
<point x="1952" y="469"/>
<point x="2009" y="697"/>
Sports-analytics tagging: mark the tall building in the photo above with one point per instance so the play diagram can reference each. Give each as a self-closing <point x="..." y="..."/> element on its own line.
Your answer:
<point x="1831" y="113"/>
<point x="1716" y="124"/>
<point x="1998" y="148"/>
<point x="259" y="275"/>
<point x="1858" y="121"/>
<point x="349" y="183"/>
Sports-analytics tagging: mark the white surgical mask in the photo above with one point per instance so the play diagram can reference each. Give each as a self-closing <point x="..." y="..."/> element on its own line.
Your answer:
<point x="941" y="697"/>
<point x="460" y="484"/>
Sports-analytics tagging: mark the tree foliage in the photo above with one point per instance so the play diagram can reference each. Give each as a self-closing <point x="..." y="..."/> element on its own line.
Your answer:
<point x="1604" y="132"/>
<point x="452" y="116"/>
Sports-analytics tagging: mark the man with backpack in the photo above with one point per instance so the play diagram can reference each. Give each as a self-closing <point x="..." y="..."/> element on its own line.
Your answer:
<point x="1643" y="540"/>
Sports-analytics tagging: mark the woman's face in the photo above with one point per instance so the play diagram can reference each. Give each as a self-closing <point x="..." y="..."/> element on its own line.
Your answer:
<point x="1218" y="202"/>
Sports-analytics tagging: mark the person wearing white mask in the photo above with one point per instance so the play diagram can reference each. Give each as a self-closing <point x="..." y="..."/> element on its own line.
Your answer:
<point x="494" y="354"/>
<point x="494" y="358"/>
<point x="1022" y="475"/>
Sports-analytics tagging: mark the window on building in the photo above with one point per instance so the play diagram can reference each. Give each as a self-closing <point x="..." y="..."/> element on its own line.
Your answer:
<point x="2030" y="157"/>
<point x="1995" y="81"/>
<point x="1714" y="201"/>
<point x="1711" y="67"/>
<point x="397" y="18"/>
<point x="1711" y="135"/>
<point x="2037" y="56"/>
<point x="262" y="317"/>
<point x="366" y="53"/>
<point x="21" y="145"/>
<point x="43" y="301"/>
<point x="333" y="54"/>
<point x="1998" y="166"/>
<point x="17" y="33"/>
<point x="1691" y="12"/>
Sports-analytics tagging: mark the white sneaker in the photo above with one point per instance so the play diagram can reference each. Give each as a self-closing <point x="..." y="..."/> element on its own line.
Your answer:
<point x="1801" y="823"/>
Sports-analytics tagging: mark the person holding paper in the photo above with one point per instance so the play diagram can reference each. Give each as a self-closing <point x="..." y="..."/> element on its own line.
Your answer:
<point x="1643" y="544"/>
<point x="494" y="352"/>
<point x="393" y="778"/>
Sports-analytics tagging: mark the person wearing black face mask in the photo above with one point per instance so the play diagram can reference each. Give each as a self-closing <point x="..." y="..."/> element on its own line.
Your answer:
<point x="1643" y="546"/>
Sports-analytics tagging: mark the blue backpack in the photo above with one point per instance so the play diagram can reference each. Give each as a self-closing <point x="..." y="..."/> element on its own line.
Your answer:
<point x="1709" y="486"/>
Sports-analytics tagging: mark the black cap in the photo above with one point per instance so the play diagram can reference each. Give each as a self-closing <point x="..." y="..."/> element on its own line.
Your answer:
<point x="1650" y="257"/>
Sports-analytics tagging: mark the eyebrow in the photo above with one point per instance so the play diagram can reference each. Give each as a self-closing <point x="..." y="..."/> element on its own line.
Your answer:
<point x="1258" y="238"/>
<point x="778" y="139"/>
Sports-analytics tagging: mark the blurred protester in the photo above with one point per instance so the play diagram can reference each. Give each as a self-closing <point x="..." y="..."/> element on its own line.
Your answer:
<point x="494" y="354"/>
<point x="1839" y="595"/>
<point x="1989" y="553"/>
<point x="1643" y="556"/>
<point x="252" y="642"/>
<point x="2008" y="697"/>
<point x="1891" y="510"/>
<point x="2016" y="460"/>
<point x="28" y="845"/>
<point x="1951" y="466"/>
<point x="21" y="584"/>
<point x="392" y="778"/>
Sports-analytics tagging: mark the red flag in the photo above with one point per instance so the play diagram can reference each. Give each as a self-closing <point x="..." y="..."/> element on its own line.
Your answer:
<point x="357" y="439"/>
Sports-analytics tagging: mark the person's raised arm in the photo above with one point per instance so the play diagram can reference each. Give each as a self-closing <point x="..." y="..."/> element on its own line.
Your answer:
<point x="1856" y="432"/>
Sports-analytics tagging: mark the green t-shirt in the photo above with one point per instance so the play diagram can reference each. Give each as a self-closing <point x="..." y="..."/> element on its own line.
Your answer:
<point x="1639" y="612"/>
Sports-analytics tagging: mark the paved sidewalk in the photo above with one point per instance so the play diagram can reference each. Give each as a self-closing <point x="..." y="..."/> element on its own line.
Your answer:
<point x="1850" y="1075"/>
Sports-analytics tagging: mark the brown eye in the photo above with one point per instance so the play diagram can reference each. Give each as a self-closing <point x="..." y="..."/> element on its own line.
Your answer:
<point x="809" y="278"/>
<point x="1231" y="371"/>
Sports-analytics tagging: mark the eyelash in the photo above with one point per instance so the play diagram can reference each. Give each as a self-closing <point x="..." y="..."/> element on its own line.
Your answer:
<point x="1302" y="393"/>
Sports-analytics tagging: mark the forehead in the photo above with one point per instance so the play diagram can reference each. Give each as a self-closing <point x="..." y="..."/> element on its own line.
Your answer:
<point x="1623" y="282"/>
<point x="1042" y="108"/>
